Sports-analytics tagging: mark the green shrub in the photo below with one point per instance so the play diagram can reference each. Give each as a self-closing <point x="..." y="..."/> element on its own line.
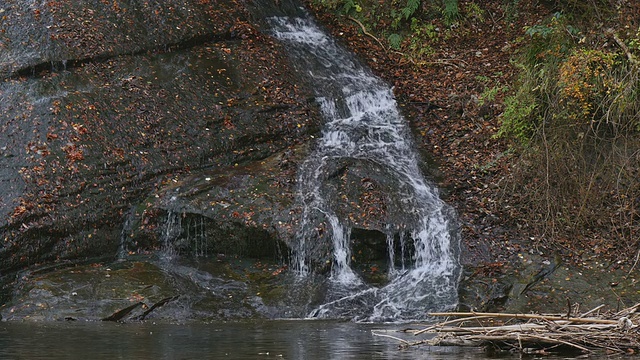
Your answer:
<point x="450" y="12"/>
<point x="536" y="99"/>
<point x="410" y="8"/>
<point x="575" y="112"/>
<point x="516" y="118"/>
<point x="394" y="41"/>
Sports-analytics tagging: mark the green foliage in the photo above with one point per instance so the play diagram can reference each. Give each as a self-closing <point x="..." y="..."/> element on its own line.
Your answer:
<point x="329" y="4"/>
<point x="511" y="12"/>
<point x="589" y="11"/>
<point x="567" y="86"/>
<point x="348" y="6"/>
<point x="483" y="79"/>
<point x="422" y="34"/>
<point x="489" y="94"/>
<point x="474" y="11"/>
<point x="451" y="12"/>
<point x="547" y="29"/>
<point x="423" y="31"/>
<point x="536" y="100"/>
<point x="410" y="8"/>
<point x="342" y="6"/>
<point x="394" y="41"/>
<point x="634" y="43"/>
<point x="554" y="39"/>
<point x="516" y="118"/>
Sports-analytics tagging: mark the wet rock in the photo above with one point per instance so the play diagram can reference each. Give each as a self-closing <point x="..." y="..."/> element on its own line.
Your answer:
<point x="144" y="289"/>
<point x="56" y="34"/>
<point x="247" y="210"/>
<point x="139" y="97"/>
<point x="509" y="286"/>
<point x="89" y="292"/>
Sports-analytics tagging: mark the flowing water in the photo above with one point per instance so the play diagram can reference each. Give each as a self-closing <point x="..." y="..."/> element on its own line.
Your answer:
<point x="364" y="125"/>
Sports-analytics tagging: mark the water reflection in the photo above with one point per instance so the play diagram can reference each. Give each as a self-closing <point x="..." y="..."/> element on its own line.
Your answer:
<point x="246" y="340"/>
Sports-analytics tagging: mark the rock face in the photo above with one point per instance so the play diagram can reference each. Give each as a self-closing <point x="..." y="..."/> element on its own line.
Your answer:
<point x="128" y="127"/>
<point x="106" y="107"/>
<point x="58" y="32"/>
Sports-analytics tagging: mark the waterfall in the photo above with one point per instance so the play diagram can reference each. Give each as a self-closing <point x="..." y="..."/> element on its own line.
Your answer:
<point x="363" y="124"/>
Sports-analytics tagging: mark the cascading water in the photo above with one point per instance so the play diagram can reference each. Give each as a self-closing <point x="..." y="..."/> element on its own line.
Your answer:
<point x="171" y="230"/>
<point x="363" y="124"/>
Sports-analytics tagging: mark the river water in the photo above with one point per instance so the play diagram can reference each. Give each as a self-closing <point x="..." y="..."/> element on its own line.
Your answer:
<point x="287" y="339"/>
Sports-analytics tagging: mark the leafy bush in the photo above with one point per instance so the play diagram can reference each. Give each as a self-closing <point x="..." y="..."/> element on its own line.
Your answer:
<point x="585" y="78"/>
<point x="394" y="41"/>
<point x="537" y="95"/>
<point x="410" y="9"/>
<point x="517" y="118"/>
<point x="574" y="117"/>
<point x="450" y="12"/>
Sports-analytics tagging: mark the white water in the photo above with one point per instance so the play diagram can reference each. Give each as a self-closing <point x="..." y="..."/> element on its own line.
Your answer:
<point x="363" y="124"/>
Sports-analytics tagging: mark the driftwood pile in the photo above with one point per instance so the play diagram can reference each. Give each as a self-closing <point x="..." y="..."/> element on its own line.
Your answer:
<point x="539" y="334"/>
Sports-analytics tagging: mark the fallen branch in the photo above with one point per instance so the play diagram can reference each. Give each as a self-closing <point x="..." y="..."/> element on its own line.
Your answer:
<point x="529" y="333"/>
<point x="155" y="306"/>
<point x="405" y="342"/>
<point x="554" y="341"/>
<point x="529" y="316"/>
<point x="632" y="59"/>
<point x="450" y="322"/>
<point x="364" y="31"/>
<point x="120" y="314"/>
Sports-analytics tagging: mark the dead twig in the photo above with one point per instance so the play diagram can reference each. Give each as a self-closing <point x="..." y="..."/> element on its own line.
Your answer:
<point x="364" y="31"/>
<point x="529" y="316"/>
<point x="392" y="337"/>
<point x="454" y="321"/>
<point x="584" y="332"/>
<point x="632" y="59"/>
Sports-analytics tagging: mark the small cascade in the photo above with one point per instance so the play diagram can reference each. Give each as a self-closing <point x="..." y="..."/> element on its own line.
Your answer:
<point x="396" y="268"/>
<point x="363" y="124"/>
<point x="341" y="271"/>
<point x="179" y="234"/>
<point x="171" y="231"/>
<point x="196" y="236"/>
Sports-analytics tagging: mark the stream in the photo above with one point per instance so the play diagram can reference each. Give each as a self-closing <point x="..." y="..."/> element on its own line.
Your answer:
<point x="284" y="339"/>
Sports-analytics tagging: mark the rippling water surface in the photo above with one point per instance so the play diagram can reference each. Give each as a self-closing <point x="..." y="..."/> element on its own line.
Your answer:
<point x="234" y="340"/>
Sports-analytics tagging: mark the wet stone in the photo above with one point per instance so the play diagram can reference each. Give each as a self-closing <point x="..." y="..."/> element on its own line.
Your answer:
<point x="146" y="289"/>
